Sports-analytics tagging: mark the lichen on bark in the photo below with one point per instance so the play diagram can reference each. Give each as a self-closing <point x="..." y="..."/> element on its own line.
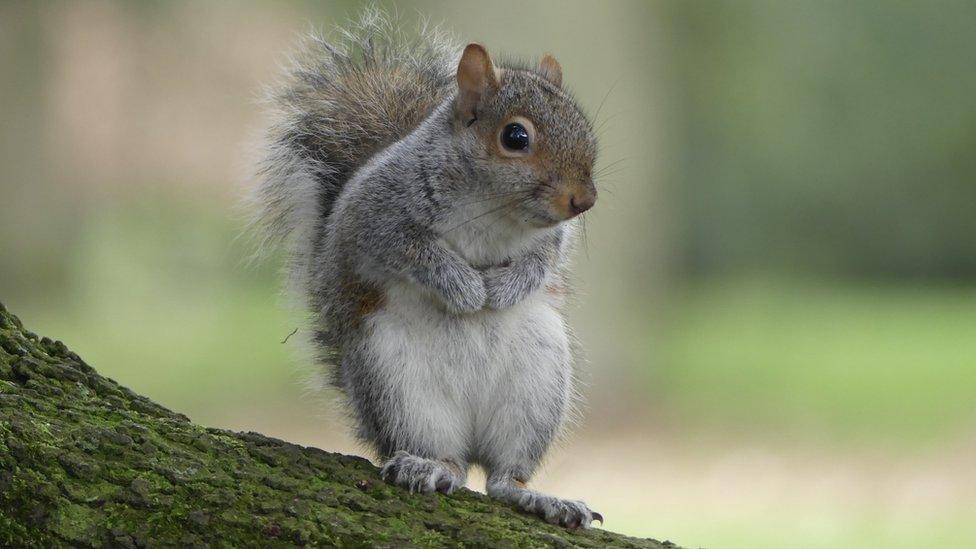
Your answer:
<point x="87" y="462"/>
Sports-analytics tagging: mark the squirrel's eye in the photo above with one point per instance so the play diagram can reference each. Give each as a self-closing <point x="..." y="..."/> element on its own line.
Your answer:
<point x="515" y="137"/>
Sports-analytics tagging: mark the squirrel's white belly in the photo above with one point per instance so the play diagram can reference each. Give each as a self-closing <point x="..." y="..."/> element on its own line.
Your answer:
<point x="453" y="372"/>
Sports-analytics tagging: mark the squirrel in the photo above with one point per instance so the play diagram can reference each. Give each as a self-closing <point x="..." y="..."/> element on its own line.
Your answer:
<point x="428" y="200"/>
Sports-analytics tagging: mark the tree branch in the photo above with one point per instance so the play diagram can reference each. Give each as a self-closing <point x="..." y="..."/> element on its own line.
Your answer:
<point x="85" y="461"/>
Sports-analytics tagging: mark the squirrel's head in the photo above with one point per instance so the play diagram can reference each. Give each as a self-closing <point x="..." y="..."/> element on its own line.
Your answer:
<point x="529" y="142"/>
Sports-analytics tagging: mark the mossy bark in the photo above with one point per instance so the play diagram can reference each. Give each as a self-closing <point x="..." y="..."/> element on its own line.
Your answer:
<point x="87" y="462"/>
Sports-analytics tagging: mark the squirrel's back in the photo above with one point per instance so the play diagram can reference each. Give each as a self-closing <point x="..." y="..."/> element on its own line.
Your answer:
<point x="342" y="101"/>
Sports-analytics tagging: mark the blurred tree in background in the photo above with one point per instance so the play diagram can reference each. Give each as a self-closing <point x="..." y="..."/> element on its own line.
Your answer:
<point x="828" y="137"/>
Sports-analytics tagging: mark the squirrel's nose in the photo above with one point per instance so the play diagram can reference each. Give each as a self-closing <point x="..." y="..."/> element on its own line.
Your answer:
<point x="579" y="203"/>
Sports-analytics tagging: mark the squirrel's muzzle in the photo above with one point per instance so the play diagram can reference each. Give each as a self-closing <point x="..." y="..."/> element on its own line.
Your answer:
<point x="575" y="199"/>
<point x="579" y="204"/>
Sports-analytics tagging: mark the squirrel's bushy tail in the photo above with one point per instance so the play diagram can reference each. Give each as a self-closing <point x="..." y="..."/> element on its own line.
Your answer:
<point x="341" y="102"/>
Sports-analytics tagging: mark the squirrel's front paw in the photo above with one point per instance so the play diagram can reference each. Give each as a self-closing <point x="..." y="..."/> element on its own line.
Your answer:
<point x="468" y="297"/>
<point x="499" y="287"/>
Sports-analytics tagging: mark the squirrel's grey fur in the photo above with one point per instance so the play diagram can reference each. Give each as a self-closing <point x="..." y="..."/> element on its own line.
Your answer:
<point x="432" y="257"/>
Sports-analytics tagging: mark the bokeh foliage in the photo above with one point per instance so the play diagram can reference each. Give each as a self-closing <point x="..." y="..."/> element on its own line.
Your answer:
<point x="833" y="137"/>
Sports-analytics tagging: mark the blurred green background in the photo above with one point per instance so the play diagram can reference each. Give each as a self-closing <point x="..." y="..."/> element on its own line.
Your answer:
<point x="777" y="292"/>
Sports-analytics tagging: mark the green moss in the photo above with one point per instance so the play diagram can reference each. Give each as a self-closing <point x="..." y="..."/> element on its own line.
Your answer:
<point x="84" y="461"/>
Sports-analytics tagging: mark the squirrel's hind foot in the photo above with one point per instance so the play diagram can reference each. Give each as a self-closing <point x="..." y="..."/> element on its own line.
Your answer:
<point x="418" y="474"/>
<point x="564" y="512"/>
<point x="568" y="513"/>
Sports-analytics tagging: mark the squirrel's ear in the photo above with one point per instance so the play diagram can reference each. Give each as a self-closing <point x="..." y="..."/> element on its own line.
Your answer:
<point x="476" y="77"/>
<point x="551" y="70"/>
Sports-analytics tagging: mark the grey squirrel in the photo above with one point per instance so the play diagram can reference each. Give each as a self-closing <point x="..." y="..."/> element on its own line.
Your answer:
<point x="427" y="201"/>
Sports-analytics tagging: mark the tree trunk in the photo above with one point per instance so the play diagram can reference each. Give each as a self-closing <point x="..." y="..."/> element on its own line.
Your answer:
<point x="87" y="462"/>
